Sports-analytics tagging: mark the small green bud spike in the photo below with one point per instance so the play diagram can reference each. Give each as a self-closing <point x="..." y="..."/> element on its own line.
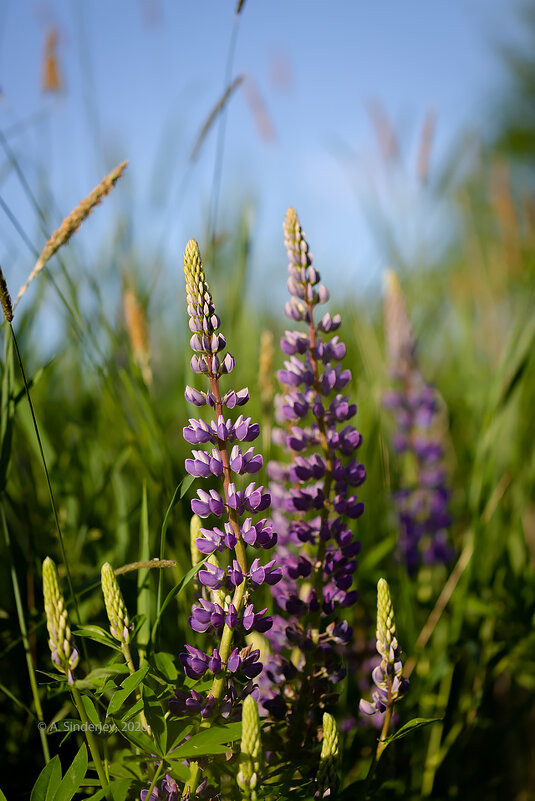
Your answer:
<point x="115" y="605"/>
<point x="386" y="625"/>
<point x="197" y="289"/>
<point x="251" y="750"/>
<point x="64" y="656"/>
<point x="327" y="776"/>
<point x="5" y="300"/>
<point x="194" y="534"/>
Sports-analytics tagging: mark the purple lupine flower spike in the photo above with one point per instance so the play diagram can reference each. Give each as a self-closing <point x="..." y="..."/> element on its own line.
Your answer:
<point x="422" y="501"/>
<point x="219" y="453"/>
<point x="314" y="501"/>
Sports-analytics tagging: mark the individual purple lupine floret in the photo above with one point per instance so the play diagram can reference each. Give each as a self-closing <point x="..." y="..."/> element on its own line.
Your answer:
<point x="312" y="497"/>
<point x="422" y="500"/>
<point x="232" y="667"/>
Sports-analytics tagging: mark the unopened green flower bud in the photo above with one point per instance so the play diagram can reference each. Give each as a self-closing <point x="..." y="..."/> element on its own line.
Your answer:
<point x="251" y="750"/>
<point x="115" y="605"/>
<point x="64" y="656"/>
<point x="5" y="300"/>
<point x="327" y="775"/>
<point x="386" y="625"/>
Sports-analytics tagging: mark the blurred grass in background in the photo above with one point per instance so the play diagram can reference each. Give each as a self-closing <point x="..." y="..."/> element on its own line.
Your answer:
<point x="110" y="407"/>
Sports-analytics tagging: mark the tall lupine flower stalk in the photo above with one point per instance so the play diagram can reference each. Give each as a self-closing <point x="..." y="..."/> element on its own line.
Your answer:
<point x="64" y="655"/>
<point x="313" y="496"/>
<point x="387" y="677"/>
<point x="230" y="619"/>
<point x="422" y="500"/>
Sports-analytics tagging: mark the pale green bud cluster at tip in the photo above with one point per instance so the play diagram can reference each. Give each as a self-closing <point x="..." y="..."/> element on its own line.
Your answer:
<point x="327" y="775"/>
<point x="197" y="289"/>
<point x="194" y="535"/>
<point x="115" y="605"/>
<point x="64" y="655"/>
<point x="386" y="625"/>
<point x="251" y="750"/>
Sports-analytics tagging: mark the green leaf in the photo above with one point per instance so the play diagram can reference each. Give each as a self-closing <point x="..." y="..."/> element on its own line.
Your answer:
<point x="90" y="710"/>
<point x="47" y="782"/>
<point x="165" y="664"/>
<point x="127" y="688"/>
<point x="177" y="589"/>
<point x="208" y="741"/>
<point x="139" y="738"/>
<point x="98" y="634"/>
<point x="119" y="789"/>
<point x="155" y="717"/>
<point x="187" y="481"/>
<point x="133" y="710"/>
<point x="2" y="796"/>
<point x="73" y="777"/>
<point x="176" y="731"/>
<point x="408" y="728"/>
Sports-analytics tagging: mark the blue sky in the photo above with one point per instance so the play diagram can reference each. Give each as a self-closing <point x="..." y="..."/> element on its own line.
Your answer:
<point x="141" y="76"/>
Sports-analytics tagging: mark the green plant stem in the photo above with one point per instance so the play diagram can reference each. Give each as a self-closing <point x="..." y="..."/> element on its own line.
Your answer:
<point x="239" y="549"/>
<point x="130" y="664"/>
<point x="155" y="779"/>
<point x="24" y="635"/>
<point x="91" y="741"/>
<point x="381" y="745"/>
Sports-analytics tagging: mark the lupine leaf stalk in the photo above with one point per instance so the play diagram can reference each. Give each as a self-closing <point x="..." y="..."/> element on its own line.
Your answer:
<point x="327" y="775"/>
<point x="390" y="685"/>
<point x="227" y="570"/>
<point x="422" y="499"/>
<point x="313" y="497"/>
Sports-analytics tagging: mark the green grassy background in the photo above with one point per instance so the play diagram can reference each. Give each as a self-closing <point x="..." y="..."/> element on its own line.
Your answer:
<point x="108" y="438"/>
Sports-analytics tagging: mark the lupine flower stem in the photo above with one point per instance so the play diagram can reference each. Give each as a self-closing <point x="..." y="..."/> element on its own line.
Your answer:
<point x="381" y="745"/>
<point x="219" y="682"/>
<point x="155" y="779"/>
<point x="91" y="741"/>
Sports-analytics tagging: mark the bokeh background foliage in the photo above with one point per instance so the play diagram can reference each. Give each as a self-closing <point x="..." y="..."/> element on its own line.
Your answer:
<point x="103" y="336"/>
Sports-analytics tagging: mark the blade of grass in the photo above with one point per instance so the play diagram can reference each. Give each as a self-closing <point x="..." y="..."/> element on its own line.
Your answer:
<point x="143" y="587"/>
<point x="49" y="485"/>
